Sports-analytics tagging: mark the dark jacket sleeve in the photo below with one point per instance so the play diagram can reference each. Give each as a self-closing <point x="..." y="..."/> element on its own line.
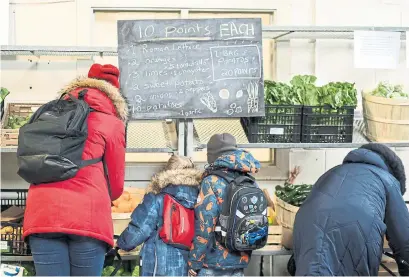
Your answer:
<point x="397" y="225"/>
<point x="144" y="220"/>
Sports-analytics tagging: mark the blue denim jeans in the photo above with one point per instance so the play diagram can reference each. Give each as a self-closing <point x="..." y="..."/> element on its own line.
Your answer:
<point x="67" y="255"/>
<point x="221" y="272"/>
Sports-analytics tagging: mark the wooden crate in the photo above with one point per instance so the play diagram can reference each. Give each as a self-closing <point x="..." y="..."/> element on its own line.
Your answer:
<point x="285" y="213"/>
<point x="274" y="234"/>
<point x="387" y="120"/>
<point x="391" y="265"/>
<point x="9" y="137"/>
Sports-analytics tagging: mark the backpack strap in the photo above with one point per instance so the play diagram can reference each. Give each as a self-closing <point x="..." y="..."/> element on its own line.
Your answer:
<point x="85" y="163"/>
<point x="242" y="178"/>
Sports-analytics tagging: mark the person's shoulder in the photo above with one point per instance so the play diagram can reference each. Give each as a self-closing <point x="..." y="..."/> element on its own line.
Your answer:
<point x="107" y="124"/>
<point x="150" y="199"/>
<point x="213" y="179"/>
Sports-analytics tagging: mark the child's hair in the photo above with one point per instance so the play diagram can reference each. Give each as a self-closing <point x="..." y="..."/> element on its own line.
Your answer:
<point x="179" y="162"/>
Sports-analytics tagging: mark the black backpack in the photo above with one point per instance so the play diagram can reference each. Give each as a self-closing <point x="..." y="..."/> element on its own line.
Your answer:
<point x="242" y="224"/>
<point x="51" y="144"/>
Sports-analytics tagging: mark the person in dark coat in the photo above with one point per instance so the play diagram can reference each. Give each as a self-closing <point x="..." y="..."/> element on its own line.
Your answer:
<point x="181" y="180"/>
<point x="339" y="229"/>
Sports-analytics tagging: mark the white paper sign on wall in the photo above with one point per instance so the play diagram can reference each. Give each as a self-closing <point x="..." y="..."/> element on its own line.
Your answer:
<point x="376" y="49"/>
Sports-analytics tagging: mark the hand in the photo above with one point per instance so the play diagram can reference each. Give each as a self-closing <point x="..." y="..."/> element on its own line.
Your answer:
<point x="192" y="273"/>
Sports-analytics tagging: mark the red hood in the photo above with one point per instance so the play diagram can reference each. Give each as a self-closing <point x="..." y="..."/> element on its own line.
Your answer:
<point x="101" y="96"/>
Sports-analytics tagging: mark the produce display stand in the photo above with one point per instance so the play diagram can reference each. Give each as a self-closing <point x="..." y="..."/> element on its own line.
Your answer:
<point x="187" y="143"/>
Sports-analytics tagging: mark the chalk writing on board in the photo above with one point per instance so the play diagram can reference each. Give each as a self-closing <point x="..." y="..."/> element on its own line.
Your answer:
<point x="208" y="100"/>
<point x="252" y="101"/>
<point x="224" y="94"/>
<point x="233" y="62"/>
<point x="191" y="68"/>
<point x="234" y="108"/>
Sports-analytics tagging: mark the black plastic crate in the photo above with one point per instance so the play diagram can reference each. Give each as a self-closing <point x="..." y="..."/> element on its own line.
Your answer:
<point x="12" y="240"/>
<point x="281" y="124"/>
<point x="13" y="197"/>
<point x="324" y="124"/>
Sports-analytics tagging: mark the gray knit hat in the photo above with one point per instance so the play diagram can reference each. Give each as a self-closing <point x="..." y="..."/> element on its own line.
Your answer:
<point x="218" y="145"/>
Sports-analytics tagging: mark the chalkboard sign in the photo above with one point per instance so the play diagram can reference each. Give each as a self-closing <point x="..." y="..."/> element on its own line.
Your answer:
<point x="191" y="68"/>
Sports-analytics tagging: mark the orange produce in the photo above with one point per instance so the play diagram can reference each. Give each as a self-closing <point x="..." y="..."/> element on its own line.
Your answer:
<point x="115" y="202"/>
<point x="126" y="196"/>
<point x="134" y="203"/>
<point x="114" y="209"/>
<point x="124" y="207"/>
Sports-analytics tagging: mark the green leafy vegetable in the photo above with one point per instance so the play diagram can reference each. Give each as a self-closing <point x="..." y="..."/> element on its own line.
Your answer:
<point x="338" y="94"/>
<point x="135" y="271"/>
<point x="108" y="270"/>
<point x="390" y="91"/>
<point x="276" y="93"/>
<point x="3" y="93"/>
<point x="16" y="122"/>
<point x="120" y="272"/>
<point x="293" y="194"/>
<point x="303" y="91"/>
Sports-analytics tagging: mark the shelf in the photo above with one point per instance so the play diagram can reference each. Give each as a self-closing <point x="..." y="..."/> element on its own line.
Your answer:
<point x="128" y="150"/>
<point x="5" y="258"/>
<point x="307" y="145"/>
<point x="150" y="150"/>
<point x="278" y="33"/>
<point x="284" y="33"/>
<point x="272" y="250"/>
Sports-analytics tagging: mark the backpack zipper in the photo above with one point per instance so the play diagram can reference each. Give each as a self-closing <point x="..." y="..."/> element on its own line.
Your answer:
<point x="171" y="213"/>
<point x="245" y="187"/>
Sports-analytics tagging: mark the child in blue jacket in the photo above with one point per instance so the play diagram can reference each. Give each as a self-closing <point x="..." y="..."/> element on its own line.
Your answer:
<point x="181" y="180"/>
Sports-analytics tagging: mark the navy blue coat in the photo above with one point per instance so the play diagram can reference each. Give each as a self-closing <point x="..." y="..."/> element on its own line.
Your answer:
<point x="340" y="227"/>
<point x="159" y="258"/>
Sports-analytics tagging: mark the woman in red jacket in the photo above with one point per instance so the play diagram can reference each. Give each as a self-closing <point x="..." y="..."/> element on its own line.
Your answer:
<point x="68" y="223"/>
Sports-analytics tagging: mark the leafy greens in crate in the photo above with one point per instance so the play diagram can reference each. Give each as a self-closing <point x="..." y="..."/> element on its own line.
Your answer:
<point x="390" y="91"/>
<point x="293" y="194"/>
<point x="303" y="91"/>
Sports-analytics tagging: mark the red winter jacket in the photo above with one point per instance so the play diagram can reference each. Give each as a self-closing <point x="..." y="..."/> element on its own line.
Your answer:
<point x="81" y="205"/>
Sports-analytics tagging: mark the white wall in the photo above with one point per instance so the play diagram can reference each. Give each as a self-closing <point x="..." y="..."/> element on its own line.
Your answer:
<point x="4" y="22"/>
<point x="70" y="23"/>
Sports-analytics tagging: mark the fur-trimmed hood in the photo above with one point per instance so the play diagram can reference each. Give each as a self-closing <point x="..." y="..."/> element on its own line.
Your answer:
<point x="177" y="177"/>
<point x="113" y="93"/>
